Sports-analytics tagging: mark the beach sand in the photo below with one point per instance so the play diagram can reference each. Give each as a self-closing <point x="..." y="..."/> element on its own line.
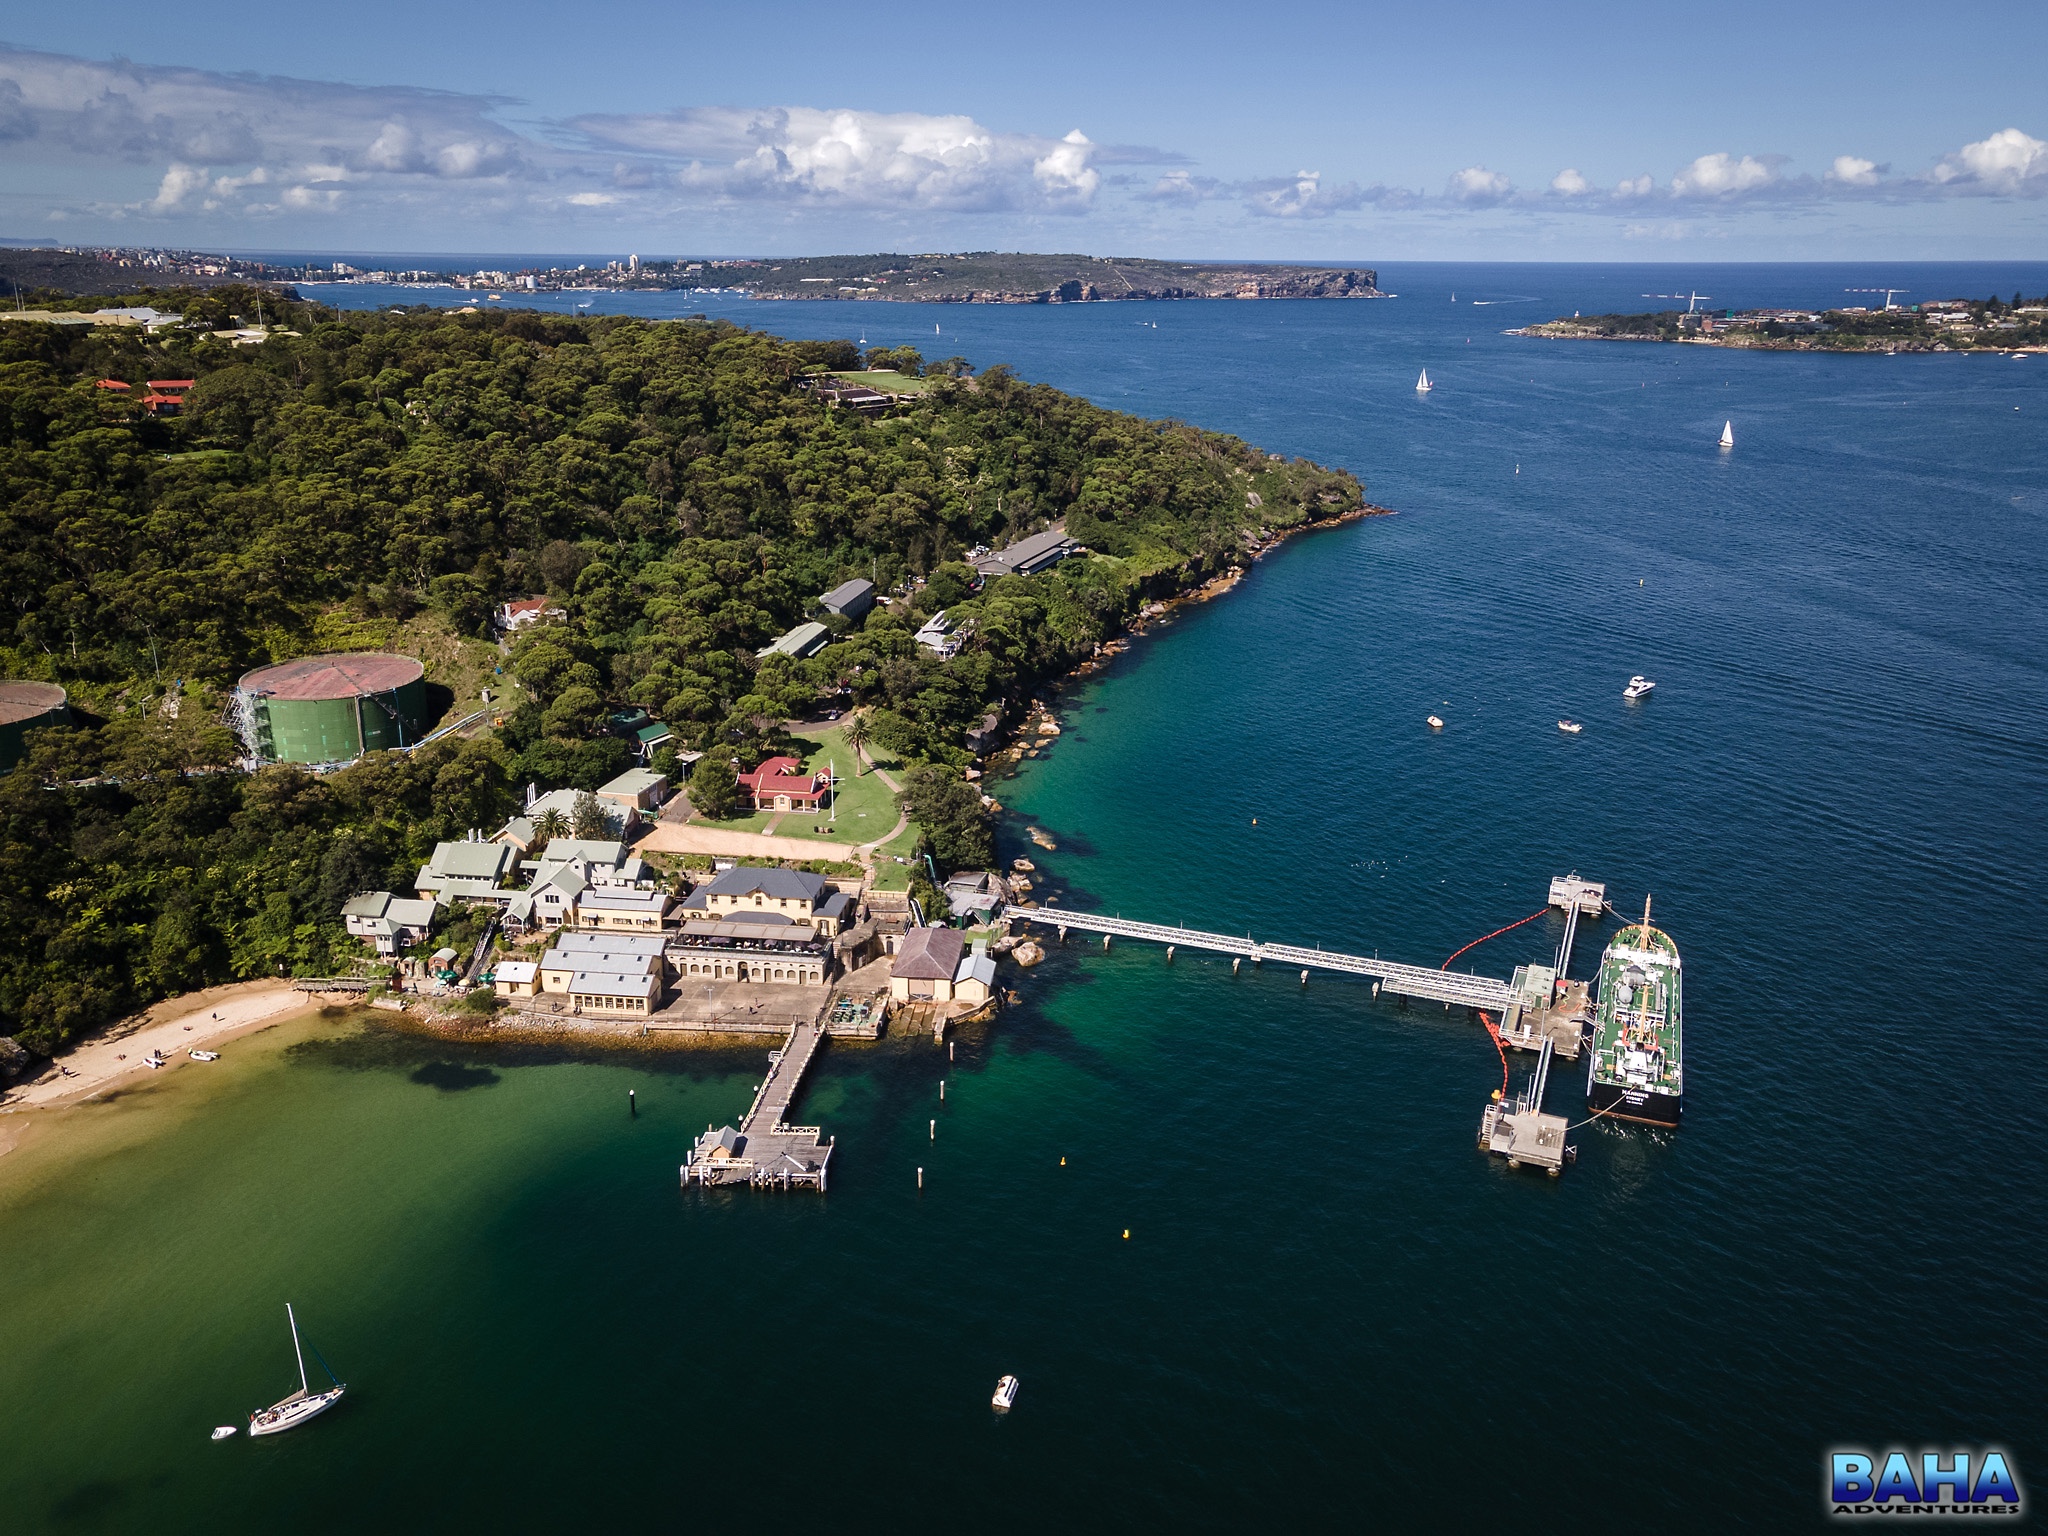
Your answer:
<point x="173" y="1027"/>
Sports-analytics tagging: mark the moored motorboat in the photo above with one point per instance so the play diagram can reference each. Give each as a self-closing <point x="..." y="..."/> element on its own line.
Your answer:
<point x="1570" y="727"/>
<point x="204" y="1055"/>
<point x="1435" y="724"/>
<point x="292" y="1411"/>
<point x="1638" y="687"/>
<point x="222" y="1431"/>
<point x="1005" y="1393"/>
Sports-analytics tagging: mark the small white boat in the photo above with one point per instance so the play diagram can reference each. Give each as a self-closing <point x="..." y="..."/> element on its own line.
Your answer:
<point x="1570" y="727"/>
<point x="1422" y="385"/>
<point x="1006" y="1392"/>
<point x="1435" y="724"/>
<point x="1638" y="687"/>
<point x="154" y="1059"/>
<point x="204" y="1055"/>
<point x="1727" y="434"/>
<point x="292" y="1411"/>
<point x="222" y="1431"/>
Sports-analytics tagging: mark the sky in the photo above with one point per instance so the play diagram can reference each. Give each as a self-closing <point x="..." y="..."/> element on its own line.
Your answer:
<point x="1455" y="130"/>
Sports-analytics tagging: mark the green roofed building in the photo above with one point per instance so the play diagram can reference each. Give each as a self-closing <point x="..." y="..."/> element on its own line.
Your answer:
<point x="331" y="709"/>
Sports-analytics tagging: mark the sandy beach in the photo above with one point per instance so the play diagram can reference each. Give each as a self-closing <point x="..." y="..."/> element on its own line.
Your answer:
<point x="172" y="1027"/>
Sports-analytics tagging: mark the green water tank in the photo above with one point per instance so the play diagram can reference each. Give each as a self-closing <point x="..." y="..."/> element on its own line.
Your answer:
<point x="332" y="709"/>
<point x="25" y="707"/>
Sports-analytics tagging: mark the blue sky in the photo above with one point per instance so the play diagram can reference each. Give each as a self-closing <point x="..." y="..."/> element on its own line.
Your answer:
<point x="1461" y="129"/>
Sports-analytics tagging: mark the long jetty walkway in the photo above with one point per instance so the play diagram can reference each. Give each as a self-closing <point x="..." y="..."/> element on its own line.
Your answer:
<point x="1460" y="988"/>
<point x="764" y="1148"/>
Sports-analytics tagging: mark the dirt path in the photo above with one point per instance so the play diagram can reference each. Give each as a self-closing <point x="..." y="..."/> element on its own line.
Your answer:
<point x="172" y="1027"/>
<point x="669" y="837"/>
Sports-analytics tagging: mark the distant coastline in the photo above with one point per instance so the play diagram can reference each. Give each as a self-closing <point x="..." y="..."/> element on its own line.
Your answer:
<point x="963" y="277"/>
<point x="1944" y="325"/>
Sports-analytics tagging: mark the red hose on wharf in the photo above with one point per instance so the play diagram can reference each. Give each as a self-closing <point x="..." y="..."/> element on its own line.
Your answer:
<point x="1491" y="1028"/>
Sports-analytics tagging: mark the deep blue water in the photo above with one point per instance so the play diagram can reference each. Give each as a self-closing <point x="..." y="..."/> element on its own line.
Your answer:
<point x="1331" y="1309"/>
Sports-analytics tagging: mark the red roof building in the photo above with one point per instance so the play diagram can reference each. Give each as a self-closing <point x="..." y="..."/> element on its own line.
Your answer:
<point x="172" y="384"/>
<point x="780" y="784"/>
<point x="112" y="384"/>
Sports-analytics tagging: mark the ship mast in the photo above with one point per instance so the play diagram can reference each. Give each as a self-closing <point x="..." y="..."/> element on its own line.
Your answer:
<point x="299" y="1353"/>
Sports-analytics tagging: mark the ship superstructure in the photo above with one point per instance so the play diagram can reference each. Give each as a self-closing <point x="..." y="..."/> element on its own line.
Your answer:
<point x="1636" y="1071"/>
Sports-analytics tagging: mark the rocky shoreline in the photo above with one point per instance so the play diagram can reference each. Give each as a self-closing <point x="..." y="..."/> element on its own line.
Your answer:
<point x="1038" y="725"/>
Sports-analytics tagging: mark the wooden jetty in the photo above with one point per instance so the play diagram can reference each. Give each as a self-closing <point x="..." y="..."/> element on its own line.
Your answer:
<point x="764" y="1148"/>
<point x="1460" y="988"/>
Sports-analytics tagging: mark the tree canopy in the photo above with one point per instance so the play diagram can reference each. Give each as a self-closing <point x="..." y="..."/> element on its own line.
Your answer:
<point x="675" y="488"/>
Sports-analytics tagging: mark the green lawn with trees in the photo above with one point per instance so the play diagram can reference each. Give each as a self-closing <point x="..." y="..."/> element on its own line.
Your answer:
<point x="670" y="485"/>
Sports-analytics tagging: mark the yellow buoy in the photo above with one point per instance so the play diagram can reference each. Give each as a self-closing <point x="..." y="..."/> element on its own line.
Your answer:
<point x="1127" y="1234"/>
<point x="1063" y="1162"/>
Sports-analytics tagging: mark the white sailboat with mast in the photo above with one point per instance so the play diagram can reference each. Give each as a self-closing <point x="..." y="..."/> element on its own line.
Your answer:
<point x="290" y="1412"/>
<point x="1422" y="385"/>
<point x="1727" y="434"/>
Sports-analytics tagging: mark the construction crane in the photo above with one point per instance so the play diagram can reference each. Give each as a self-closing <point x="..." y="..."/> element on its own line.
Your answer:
<point x="1691" y="299"/>
<point x="1887" y="292"/>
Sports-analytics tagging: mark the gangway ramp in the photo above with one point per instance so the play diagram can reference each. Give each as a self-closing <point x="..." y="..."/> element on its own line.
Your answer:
<point x="1463" y="989"/>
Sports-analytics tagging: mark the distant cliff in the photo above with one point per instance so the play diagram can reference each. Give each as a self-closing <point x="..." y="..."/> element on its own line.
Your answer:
<point x="991" y="277"/>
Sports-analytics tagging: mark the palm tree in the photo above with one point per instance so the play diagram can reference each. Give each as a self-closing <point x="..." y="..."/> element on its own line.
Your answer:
<point x="857" y="737"/>
<point x="548" y="826"/>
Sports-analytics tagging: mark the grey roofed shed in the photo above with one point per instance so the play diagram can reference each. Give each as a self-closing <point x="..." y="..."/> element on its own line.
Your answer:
<point x="850" y="598"/>
<point x="799" y="642"/>
<point x="928" y="954"/>
<point x="1027" y="557"/>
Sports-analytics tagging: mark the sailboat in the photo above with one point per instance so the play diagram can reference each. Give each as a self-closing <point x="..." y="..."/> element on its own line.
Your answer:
<point x="290" y="1412"/>
<point x="1727" y="434"/>
<point x="1422" y="385"/>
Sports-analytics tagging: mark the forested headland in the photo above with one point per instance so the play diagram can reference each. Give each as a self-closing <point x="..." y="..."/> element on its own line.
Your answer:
<point x="672" y="485"/>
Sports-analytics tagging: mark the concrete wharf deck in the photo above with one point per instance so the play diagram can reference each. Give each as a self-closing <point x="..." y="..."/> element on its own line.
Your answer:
<point x="1518" y="1129"/>
<point x="1462" y="988"/>
<point x="764" y="1148"/>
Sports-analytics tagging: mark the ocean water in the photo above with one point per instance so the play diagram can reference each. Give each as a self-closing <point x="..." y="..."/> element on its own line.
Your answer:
<point x="1330" y="1307"/>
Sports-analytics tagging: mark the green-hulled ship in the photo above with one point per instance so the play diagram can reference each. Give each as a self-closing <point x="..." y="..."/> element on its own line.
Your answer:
<point x="1636" y="1071"/>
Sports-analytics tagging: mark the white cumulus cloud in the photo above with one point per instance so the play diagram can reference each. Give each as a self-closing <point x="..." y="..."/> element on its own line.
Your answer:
<point x="1569" y="183"/>
<point x="1477" y="187"/>
<point x="855" y="158"/>
<point x="181" y="182"/>
<point x="1722" y="175"/>
<point x="1852" y="171"/>
<point x="2008" y="161"/>
<point x="1636" y="186"/>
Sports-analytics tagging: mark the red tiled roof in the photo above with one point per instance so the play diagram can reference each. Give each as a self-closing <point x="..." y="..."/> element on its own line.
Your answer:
<point x="113" y="384"/>
<point x="783" y="776"/>
<point x="172" y="383"/>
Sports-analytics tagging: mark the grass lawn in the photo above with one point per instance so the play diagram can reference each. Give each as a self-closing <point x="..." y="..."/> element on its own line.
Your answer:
<point x="887" y="381"/>
<point x="866" y="806"/>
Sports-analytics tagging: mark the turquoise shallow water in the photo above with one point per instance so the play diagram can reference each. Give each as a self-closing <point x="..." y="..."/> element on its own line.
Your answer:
<point x="1331" y="1307"/>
